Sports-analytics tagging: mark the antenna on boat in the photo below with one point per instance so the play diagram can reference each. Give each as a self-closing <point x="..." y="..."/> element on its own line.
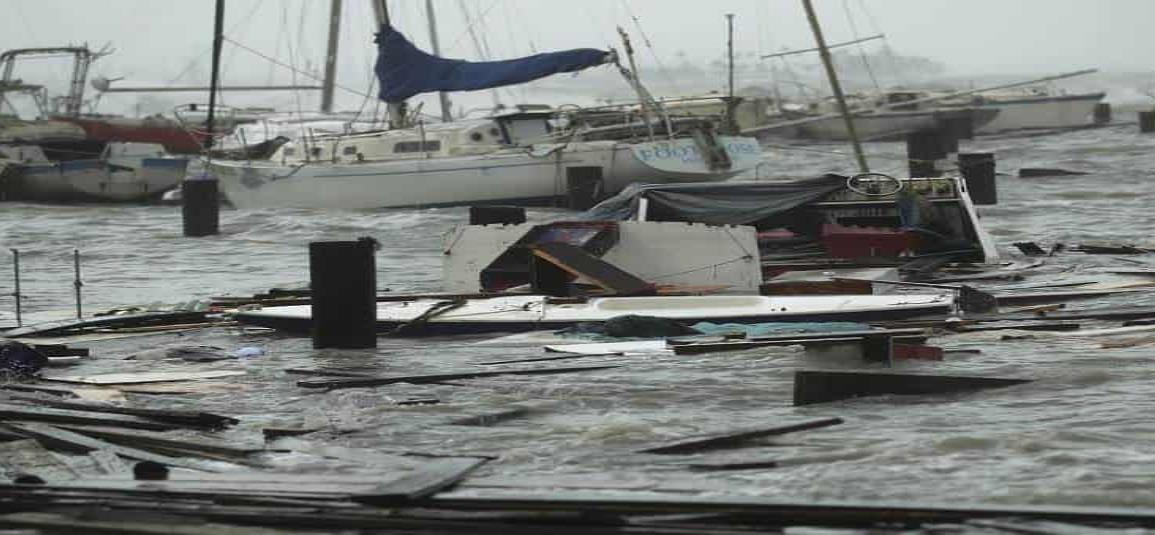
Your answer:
<point x="835" y="87"/>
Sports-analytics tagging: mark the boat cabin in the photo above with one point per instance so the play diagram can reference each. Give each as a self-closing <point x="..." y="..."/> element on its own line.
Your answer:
<point x="436" y="140"/>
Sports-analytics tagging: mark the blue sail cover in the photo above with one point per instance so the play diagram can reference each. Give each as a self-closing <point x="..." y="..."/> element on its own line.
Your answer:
<point x="404" y="70"/>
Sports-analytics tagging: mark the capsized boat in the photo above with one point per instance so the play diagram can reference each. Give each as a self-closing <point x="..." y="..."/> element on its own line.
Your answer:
<point x="515" y="313"/>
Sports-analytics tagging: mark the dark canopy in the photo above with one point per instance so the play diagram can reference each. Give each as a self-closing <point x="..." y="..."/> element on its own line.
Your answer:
<point x="403" y="70"/>
<point x="728" y="203"/>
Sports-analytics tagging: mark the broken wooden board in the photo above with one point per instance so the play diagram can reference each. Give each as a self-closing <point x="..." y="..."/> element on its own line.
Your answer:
<point x="145" y="440"/>
<point x="1093" y="333"/>
<point x="823" y="386"/>
<point x="827" y="282"/>
<point x="1025" y="298"/>
<point x="579" y="263"/>
<point x="146" y="377"/>
<point x="172" y="416"/>
<point x="12" y="412"/>
<point x="28" y="457"/>
<point x="126" y="525"/>
<point x="127" y="320"/>
<point x="611" y="348"/>
<point x="733" y="438"/>
<point x="734" y="465"/>
<point x="797" y="339"/>
<point x="424" y="482"/>
<point x="357" y="382"/>
<point x="330" y="372"/>
<point x="1037" y="326"/>
<point x="55" y="437"/>
<point x="488" y="419"/>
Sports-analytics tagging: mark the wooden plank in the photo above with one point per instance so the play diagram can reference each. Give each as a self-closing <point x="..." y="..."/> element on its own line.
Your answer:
<point x="143" y="440"/>
<point x="488" y="419"/>
<point x="823" y="386"/>
<point x="1048" y="326"/>
<point x="61" y="523"/>
<point x="9" y="412"/>
<point x="424" y="482"/>
<point x="698" y="349"/>
<point x="735" y="465"/>
<point x="545" y="359"/>
<point x="172" y="416"/>
<point x="734" y="438"/>
<point x="28" y="457"/>
<point x="52" y="436"/>
<point x="129" y="320"/>
<point x="357" y="382"/>
<point x="796" y="338"/>
<point x="148" y="377"/>
<point x="577" y="262"/>
<point x="331" y="372"/>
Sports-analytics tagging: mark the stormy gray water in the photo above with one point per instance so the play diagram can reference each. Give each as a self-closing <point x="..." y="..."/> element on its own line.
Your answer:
<point x="1081" y="434"/>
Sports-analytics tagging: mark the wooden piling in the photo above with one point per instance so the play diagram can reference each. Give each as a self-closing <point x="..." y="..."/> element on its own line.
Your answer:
<point x="923" y="148"/>
<point x="1147" y="122"/>
<point x="978" y="171"/>
<point x="200" y="207"/>
<point x="1102" y="113"/>
<point x="496" y="215"/>
<point x="343" y="277"/>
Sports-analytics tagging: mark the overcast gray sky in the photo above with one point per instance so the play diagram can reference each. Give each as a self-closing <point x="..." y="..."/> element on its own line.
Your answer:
<point x="168" y="40"/>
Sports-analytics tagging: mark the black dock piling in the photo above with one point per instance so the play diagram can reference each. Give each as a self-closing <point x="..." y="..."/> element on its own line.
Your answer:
<point x="923" y="149"/>
<point x="878" y="348"/>
<point x="584" y="187"/>
<point x="343" y="278"/>
<point x="961" y="126"/>
<point x="496" y="215"/>
<point x="1147" y="122"/>
<point x="16" y="295"/>
<point x="200" y="207"/>
<point x="978" y="171"/>
<point x="1102" y="113"/>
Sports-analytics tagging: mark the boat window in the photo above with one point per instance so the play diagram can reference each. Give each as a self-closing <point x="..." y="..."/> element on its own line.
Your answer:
<point x="520" y="131"/>
<point x="415" y="146"/>
<point x="316" y="152"/>
<point x="349" y="151"/>
<point x="476" y="136"/>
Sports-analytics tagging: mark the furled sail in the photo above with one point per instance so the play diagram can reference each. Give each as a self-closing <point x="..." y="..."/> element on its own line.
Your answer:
<point x="403" y="70"/>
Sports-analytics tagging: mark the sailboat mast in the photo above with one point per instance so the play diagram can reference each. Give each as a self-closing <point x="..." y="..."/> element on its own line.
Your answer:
<point x="397" y="115"/>
<point x="330" y="81"/>
<point x="835" y="87"/>
<point x="446" y="111"/>
<point x="215" y="80"/>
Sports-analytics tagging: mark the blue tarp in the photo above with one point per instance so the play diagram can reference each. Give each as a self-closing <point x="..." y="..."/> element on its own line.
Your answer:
<point x="404" y="70"/>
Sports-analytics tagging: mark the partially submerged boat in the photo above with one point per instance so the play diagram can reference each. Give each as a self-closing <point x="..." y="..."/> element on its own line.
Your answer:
<point x="697" y="252"/>
<point x="123" y="172"/>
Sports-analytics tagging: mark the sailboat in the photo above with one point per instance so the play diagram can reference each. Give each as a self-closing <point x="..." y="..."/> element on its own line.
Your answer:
<point x="516" y="157"/>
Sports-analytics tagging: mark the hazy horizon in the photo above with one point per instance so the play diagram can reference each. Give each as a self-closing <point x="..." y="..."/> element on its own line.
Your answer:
<point x="168" y="41"/>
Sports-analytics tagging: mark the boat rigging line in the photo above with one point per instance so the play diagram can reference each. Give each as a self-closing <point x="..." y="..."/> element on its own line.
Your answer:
<point x="861" y="50"/>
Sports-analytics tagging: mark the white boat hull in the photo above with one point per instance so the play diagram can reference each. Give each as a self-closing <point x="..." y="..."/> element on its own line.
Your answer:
<point x="505" y="176"/>
<point x="1041" y="112"/>
<point x="535" y="312"/>
<point x="94" y="180"/>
